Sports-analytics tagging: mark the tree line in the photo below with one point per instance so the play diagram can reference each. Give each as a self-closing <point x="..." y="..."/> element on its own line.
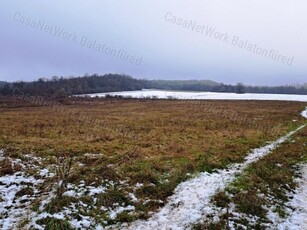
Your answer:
<point x="61" y="87"/>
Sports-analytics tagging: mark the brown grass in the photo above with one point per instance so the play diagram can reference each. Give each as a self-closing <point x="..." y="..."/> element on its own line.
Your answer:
<point x="155" y="142"/>
<point x="8" y="168"/>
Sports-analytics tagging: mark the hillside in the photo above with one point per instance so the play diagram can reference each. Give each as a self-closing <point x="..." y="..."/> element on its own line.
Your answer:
<point x="190" y="85"/>
<point x="62" y="87"/>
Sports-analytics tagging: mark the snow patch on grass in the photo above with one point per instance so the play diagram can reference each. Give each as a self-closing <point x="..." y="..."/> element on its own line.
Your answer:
<point x="113" y="213"/>
<point x="297" y="210"/>
<point x="191" y="201"/>
<point x="79" y="214"/>
<point x="1" y="154"/>
<point x="304" y="113"/>
<point x="82" y="190"/>
<point x="13" y="206"/>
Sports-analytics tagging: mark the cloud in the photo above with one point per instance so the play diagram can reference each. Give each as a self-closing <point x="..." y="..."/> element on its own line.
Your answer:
<point x="151" y="39"/>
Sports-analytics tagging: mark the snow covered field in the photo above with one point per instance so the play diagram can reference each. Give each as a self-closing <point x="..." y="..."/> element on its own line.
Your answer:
<point x="202" y="95"/>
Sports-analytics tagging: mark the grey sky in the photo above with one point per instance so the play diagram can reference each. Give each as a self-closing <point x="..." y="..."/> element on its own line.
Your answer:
<point x="154" y="40"/>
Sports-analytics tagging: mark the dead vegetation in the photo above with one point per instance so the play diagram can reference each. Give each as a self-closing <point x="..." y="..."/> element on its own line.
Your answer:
<point x="7" y="167"/>
<point x="156" y="143"/>
<point x="63" y="171"/>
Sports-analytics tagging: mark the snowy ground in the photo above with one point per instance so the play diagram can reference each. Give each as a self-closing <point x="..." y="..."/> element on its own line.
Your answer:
<point x="296" y="207"/>
<point x="203" y="95"/>
<point x="14" y="207"/>
<point x="190" y="203"/>
<point x="72" y="213"/>
<point x="191" y="200"/>
<point x="16" y="211"/>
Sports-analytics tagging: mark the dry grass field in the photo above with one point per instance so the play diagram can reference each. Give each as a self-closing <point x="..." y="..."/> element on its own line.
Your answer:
<point x="138" y="150"/>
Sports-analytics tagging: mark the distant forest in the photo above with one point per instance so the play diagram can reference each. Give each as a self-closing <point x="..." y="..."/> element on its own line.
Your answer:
<point x="61" y="87"/>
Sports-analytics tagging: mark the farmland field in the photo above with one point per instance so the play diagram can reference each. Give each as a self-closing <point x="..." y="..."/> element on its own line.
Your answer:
<point x="194" y="95"/>
<point x="91" y="163"/>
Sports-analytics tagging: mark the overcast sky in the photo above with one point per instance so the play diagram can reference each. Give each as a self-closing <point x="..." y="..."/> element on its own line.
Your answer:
<point x="255" y="42"/>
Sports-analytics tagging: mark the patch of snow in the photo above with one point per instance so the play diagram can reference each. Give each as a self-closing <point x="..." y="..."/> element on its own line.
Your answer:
<point x="12" y="208"/>
<point x="138" y="185"/>
<point x="99" y="227"/>
<point x="59" y="216"/>
<point x="1" y="154"/>
<point x="297" y="206"/>
<point x="44" y="172"/>
<point x="93" y="191"/>
<point x="93" y="155"/>
<point x="304" y="113"/>
<point x="237" y="216"/>
<point x="162" y="94"/>
<point x="71" y="193"/>
<point x="190" y="202"/>
<point x="82" y="190"/>
<point x="133" y="197"/>
<point x="113" y="213"/>
<point x="72" y="212"/>
<point x="84" y="223"/>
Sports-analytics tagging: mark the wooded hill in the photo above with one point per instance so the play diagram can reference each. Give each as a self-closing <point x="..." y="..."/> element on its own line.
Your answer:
<point x="61" y="87"/>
